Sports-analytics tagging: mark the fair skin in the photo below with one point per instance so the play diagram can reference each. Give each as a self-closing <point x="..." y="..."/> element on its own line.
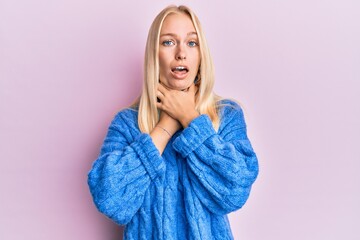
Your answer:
<point x="179" y="60"/>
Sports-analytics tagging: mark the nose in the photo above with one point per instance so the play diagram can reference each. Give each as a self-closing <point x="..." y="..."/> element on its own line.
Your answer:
<point x="180" y="54"/>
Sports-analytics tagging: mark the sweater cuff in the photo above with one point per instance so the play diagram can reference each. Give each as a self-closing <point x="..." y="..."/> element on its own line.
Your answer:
<point x="194" y="135"/>
<point x="149" y="155"/>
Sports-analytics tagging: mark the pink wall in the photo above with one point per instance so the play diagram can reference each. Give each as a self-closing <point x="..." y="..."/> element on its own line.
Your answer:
<point x="68" y="66"/>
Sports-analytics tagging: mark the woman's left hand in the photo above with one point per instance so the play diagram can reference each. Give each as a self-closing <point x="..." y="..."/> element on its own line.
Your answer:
<point x="180" y="105"/>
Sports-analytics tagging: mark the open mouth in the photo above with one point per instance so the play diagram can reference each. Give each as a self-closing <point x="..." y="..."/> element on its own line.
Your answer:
<point x="180" y="69"/>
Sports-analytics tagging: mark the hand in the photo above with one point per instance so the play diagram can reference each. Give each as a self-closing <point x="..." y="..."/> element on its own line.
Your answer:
<point x="179" y="105"/>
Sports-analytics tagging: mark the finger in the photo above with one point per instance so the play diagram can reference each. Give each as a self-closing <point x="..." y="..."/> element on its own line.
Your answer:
<point x="159" y="105"/>
<point x="160" y="95"/>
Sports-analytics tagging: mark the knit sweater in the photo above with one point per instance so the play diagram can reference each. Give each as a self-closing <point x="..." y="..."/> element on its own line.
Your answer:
<point x="185" y="193"/>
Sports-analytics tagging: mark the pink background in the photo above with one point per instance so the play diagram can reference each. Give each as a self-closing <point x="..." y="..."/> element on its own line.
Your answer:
<point x="68" y="66"/>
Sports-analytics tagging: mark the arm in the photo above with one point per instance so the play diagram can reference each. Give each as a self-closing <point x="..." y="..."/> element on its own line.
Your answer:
<point x="163" y="131"/>
<point x="122" y="173"/>
<point x="221" y="166"/>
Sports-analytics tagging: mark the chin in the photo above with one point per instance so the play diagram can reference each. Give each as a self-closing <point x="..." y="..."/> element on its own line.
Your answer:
<point x="178" y="84"/>
<point x="181" y="86"/>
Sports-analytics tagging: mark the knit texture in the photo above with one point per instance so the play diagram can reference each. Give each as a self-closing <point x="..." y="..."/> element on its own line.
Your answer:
<point x="185" y="193"/>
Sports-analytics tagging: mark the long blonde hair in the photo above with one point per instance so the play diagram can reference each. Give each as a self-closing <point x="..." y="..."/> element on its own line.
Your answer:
<point x="148" y="115"/>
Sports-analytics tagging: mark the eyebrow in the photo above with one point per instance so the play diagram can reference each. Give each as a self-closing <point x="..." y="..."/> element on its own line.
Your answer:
<point x="175" y="35"/>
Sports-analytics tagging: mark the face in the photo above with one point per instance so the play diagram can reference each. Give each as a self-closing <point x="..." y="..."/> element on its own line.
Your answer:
<point x="179" y="53"/>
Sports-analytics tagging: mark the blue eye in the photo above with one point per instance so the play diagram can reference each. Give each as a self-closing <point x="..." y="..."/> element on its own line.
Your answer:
<point x="167" y="43"/>
<point x="192" y="44"/>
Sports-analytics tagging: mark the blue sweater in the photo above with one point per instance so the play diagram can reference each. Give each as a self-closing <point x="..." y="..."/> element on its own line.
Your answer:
<point x="186" y="192"/>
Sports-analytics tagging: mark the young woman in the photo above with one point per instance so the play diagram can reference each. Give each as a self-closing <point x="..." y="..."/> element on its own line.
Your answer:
<point x="178" y="160"/>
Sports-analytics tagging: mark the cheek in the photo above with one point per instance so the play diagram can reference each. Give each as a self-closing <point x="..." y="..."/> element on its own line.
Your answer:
<point x="163" y="61"/>
<point x="196" y="59"/>
<point x="196" y="64"/>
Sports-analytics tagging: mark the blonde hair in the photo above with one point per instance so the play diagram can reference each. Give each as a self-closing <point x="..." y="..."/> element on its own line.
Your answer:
<point x="148" y="115"/>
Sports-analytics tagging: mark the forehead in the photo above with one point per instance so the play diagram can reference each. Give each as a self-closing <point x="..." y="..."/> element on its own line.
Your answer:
<point x="177" y="23"/>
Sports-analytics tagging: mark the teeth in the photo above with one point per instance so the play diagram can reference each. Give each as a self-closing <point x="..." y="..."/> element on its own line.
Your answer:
<point x="180" y="68"/>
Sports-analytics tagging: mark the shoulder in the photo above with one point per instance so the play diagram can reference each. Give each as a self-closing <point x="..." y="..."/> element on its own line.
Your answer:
<point x="229" y="110"/>
<point x="125" y="118"/>
<point x="228" y="107"/>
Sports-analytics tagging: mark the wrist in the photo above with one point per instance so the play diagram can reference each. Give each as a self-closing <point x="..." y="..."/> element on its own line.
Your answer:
<point x="165" y="130"/>
<point x="187" y="119"/>
<point x="170" y="124"/>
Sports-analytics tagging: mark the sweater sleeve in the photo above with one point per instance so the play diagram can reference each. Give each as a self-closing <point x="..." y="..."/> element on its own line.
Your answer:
<point x="221" y="166"/>
<point x="122" y="173"/>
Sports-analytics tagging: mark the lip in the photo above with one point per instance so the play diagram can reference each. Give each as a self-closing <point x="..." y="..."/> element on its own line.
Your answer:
<point x="180" y="65"/>
<point x="180" y="75"/>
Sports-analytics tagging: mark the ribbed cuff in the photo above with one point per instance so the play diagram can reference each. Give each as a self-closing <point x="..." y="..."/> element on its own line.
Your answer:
<point x="194" y="135"/>
<point x="149" y="155"/>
